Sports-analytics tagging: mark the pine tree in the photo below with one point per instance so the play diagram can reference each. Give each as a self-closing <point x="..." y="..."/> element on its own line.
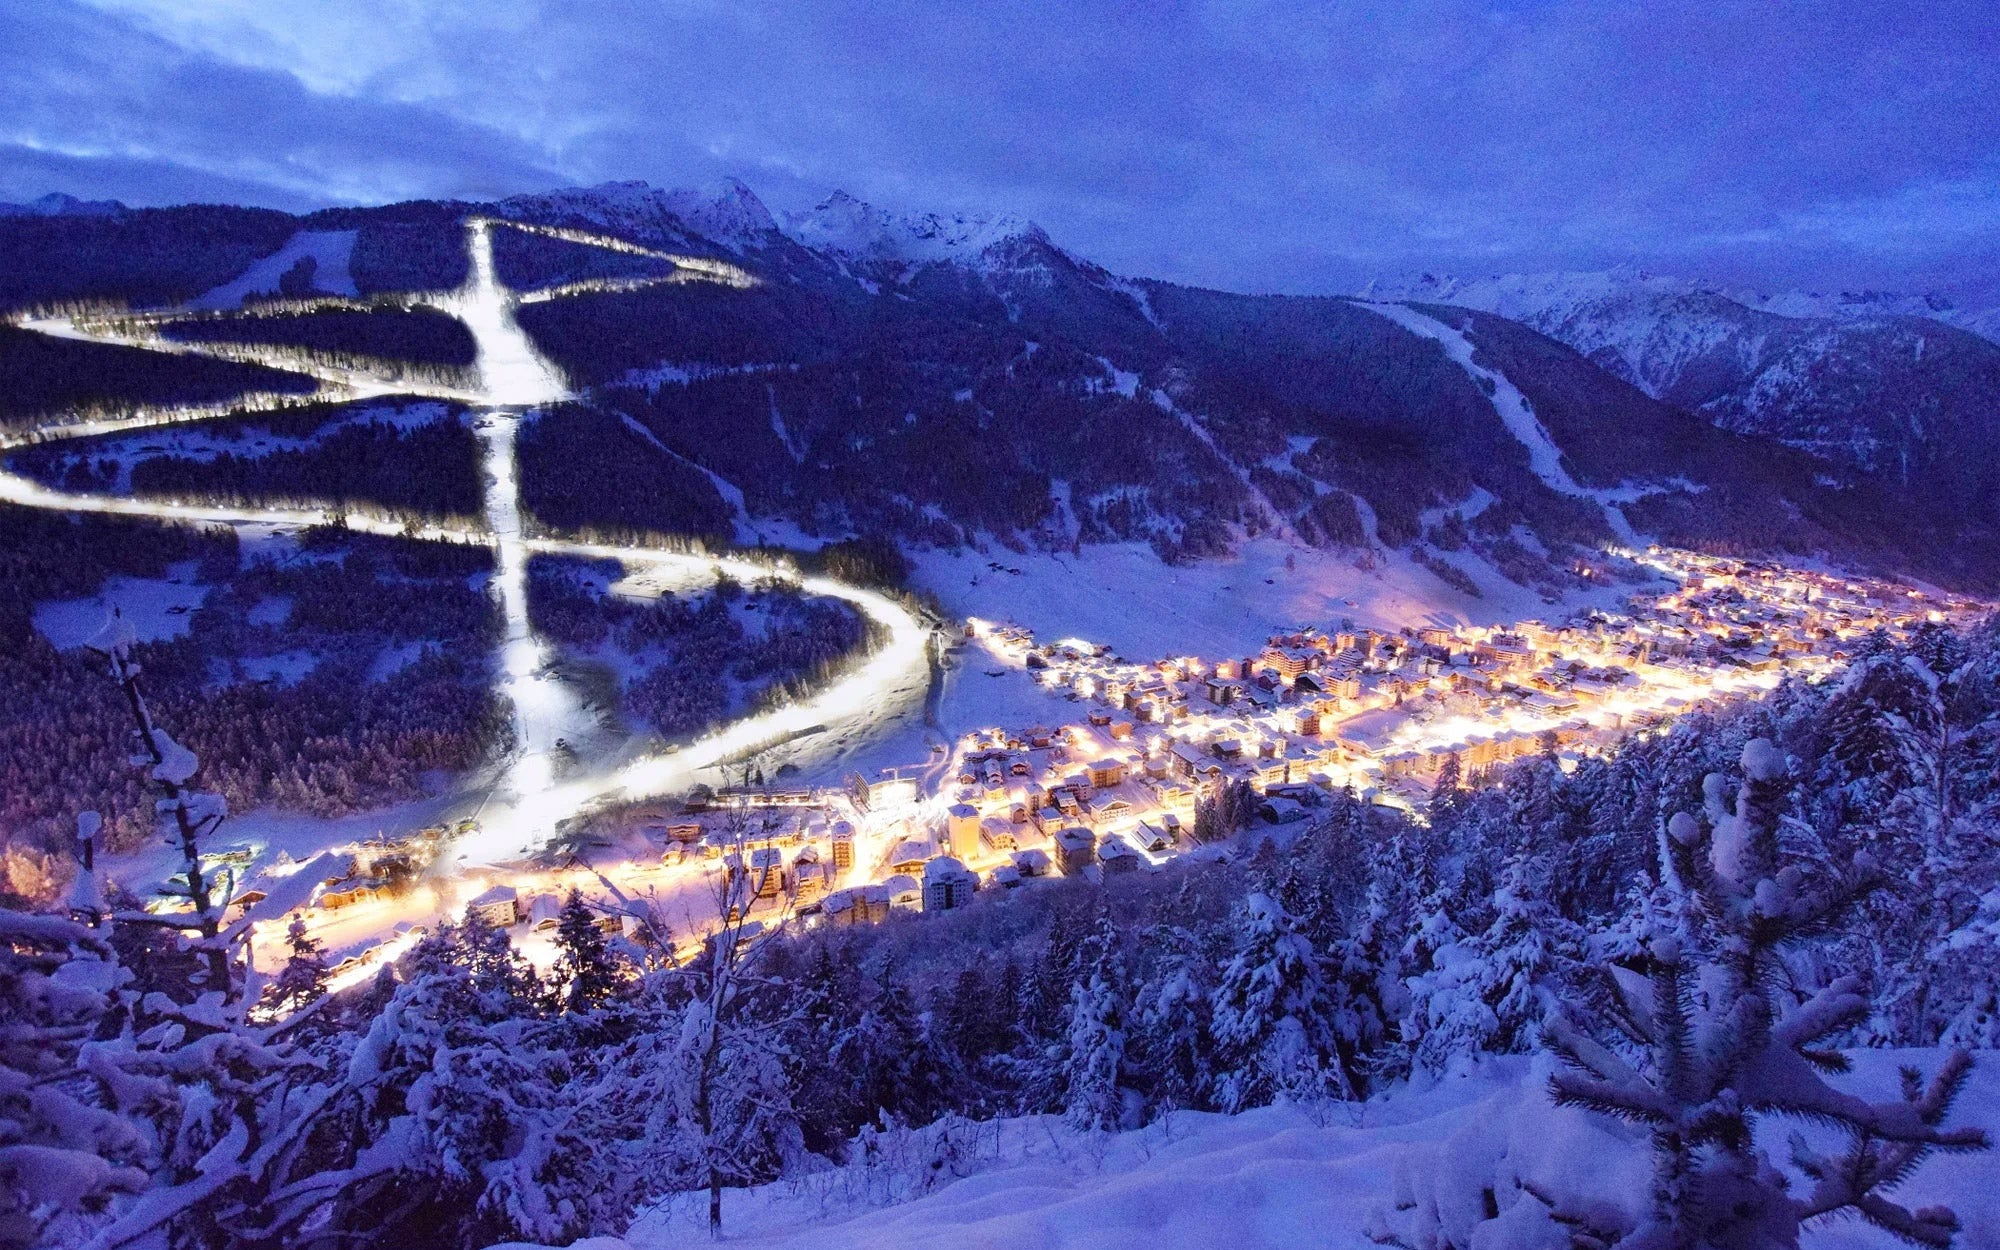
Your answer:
<point x="590" y="975"/>
<point x="1272" y="1015"/>
<point x="1448" y="796"/>
<point x="1720" y="1044"/>
<point x="1173" y="1039"/>
<point x="1094" y="1054"/>
<point x="898" y="1066"/>
<point x="1488" y="993"/>
<point x="302" y="980"/>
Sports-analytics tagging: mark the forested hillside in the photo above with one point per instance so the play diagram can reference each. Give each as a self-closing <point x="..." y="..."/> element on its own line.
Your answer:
<point x="949" y="380"/>
<point x="1805" y="871"/>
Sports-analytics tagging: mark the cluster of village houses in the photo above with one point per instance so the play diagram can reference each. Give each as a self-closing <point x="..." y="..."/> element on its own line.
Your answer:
<point x="1384" y="713"/>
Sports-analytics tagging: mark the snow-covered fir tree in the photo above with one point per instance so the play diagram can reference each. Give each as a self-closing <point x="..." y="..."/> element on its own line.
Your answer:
<point x="1272" y="1015"/>
<point x="1707" y="1041"/>
<point x="302" y="980"/>
<point x="589" y="974"/>
<point x="1094" y="1067"/>
<point x="1487" y="993"/>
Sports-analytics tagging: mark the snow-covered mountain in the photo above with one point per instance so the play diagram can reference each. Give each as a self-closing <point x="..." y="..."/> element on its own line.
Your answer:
<point x="1974" y="306"/>
<point x="1880" y="383"/>
<point x="725" y="212"/>
<point x="1977" y="308"/>
<point x="59" y="204"/>
<point x="857" y="231"/>
<point x="939" y="376"/>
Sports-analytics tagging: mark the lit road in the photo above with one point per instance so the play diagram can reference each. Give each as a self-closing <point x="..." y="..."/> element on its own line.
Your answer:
<point x="513" y="378"/>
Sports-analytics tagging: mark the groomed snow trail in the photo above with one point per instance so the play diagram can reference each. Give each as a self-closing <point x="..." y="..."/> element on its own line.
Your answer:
<point x="1514" y="411"/>
<point x="514" y="378"/>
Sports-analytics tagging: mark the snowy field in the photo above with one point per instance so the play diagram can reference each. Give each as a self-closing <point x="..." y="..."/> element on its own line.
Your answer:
<point x="1278" y="1178"/>
<point x="329" y="250"/>
<point x="156" y="608"/>
<point x="1123" y="595"/>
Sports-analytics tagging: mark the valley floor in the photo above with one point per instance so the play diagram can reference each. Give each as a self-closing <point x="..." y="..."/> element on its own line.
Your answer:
<point x="1121" y="594"/>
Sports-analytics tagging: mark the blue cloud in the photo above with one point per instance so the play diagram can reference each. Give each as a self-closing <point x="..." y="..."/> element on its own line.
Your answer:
<point x="1251" y="145"/>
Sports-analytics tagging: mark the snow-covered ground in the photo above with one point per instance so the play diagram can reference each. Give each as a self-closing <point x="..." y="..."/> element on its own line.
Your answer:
<point x="329" y="250"/>
<point x="1280" y="1178"/>
<point x="156" y="607"/>
<point x="1122" y="595"/>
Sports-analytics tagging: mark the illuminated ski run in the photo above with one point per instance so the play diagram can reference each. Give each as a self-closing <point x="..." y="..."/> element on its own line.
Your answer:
<point x="529" y="800"/>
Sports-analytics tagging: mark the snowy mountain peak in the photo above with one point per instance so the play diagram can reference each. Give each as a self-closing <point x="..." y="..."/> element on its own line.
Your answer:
<point x="724" y="211"/>
<point x="58" y="204"/>
<point x="846" y="226"/>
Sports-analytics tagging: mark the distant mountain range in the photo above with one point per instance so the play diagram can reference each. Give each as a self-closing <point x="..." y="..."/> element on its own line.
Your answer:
<point x="56" y="204"/>
<point x="942" y="378"/>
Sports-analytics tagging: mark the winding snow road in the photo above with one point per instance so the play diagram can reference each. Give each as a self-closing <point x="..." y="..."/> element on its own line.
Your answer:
<point x="514" y="379"/>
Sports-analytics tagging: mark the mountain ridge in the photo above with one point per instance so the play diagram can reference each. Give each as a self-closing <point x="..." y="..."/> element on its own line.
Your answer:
<point x="946" y="379"/>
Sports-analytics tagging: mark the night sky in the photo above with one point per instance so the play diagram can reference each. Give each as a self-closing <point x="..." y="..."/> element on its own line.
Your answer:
<point x="1280" y="146"/>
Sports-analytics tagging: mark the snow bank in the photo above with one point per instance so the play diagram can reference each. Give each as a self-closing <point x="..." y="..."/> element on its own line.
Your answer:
<point x="1415" y="1162"/>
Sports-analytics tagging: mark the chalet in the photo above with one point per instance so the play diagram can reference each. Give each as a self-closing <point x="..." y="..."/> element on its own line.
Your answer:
<point x="1116" y="855"/>
<point x="545" y="913"/>
<point x="810" y="877"/>
<point x="868" y="904"/>
<point x="997" y="834"/>
<point x="350" y="890"/>
<point x="904" y="891"/>
<point x="909" y="856"/>
<point x="1106" y="773"/>
<point x="767" y="872"/>
<point x="1287" y="662"/>
<point x="1152" y="837"/>
<point x="1032" y="862"/>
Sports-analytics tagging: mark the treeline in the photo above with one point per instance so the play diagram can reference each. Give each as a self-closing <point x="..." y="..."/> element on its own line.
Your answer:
<point x="418" y="245"/>
<point x="427" y="471"/>
<point x="693" y="645"/>
<point x="529" y="262"/>
<point x="421" y="335"/>
<point x="140" y="257"/>
<point x="42" y="377"/>
<point x="939" y="452"/>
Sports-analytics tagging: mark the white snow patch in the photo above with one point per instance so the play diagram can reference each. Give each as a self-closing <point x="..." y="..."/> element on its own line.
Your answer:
<point x="329" y="249"/>
<point x="1121" y="594"/>
<point x="153" y="607"/>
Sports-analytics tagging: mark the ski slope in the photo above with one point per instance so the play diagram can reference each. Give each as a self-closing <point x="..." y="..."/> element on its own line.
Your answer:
<point x="1514" y="411"/>
<point x="515" y="379"/>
